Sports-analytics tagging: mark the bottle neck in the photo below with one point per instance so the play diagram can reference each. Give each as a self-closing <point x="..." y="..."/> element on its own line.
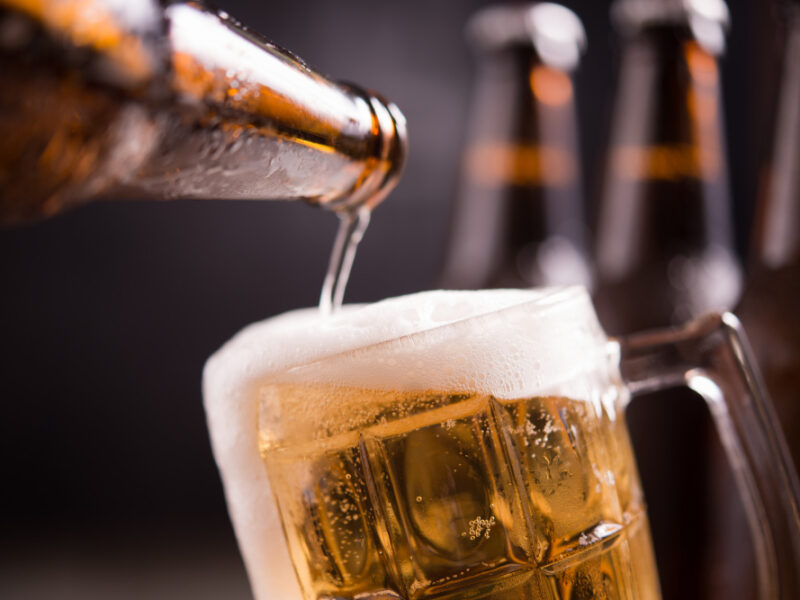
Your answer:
<point x="776" y="237"/>
<point x="522" y="124"/>
<point x="666" y="188"/>
<point x="307" y="137"/>
<point x="519" y="197"/>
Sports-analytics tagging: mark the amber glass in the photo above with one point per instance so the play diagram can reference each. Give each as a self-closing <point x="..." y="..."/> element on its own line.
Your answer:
<point x="518" y="215"/>
<point x="103" y="98"/>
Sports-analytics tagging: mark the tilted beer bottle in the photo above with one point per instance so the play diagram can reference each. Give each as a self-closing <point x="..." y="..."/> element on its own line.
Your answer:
<point x="518" y="217"/>
<point x="664" y="246"/>
<point x="107" y="98"/>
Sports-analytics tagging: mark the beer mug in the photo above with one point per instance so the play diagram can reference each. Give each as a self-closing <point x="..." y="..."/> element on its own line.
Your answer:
<point x="473" y="445"/>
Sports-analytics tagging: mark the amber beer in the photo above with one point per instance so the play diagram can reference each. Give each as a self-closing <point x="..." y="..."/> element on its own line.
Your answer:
<point x="444" y="444"/>
<point x="446" y="476"/>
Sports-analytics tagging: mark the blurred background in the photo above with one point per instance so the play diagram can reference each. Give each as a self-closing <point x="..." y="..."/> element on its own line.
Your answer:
<point x="108" y="312"/>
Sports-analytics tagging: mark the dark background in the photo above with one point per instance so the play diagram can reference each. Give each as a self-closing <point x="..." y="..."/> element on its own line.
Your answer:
<point x="107" y="314"/>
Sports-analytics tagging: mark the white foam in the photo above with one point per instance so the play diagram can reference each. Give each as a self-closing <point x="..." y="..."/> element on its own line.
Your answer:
<point x="509" y="343"/>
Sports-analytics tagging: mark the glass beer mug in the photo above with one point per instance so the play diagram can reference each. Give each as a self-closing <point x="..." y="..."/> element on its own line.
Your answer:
<point x="473" y="445"/>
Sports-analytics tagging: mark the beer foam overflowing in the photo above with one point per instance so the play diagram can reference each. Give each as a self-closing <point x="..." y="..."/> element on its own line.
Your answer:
<point x="508" y="343"/>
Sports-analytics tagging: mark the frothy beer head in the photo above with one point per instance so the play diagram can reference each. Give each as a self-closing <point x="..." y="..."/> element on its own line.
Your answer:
<point x="504" y="343"/>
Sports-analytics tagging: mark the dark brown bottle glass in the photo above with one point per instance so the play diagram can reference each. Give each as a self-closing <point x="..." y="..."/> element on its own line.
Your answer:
<point x="107" y="98"/>
<point x="517" y="220"/>
<point x="664" y="236"/>
<point x="664" y="250"/>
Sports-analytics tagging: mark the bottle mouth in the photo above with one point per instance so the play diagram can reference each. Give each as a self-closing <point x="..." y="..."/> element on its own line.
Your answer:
<point x="387" y="160"/>
<point x="554" y="31"/>
<point x="708" y="20"/>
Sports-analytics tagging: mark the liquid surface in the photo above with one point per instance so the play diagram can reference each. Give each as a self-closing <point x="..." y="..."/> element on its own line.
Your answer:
<point x="429" y="495"/>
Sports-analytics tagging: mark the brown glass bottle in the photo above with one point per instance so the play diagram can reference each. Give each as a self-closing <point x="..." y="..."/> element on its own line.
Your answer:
<point x="105" y="98"/>
<point x="517" y="220"/>
<point x="664" y="249"/>
<point x="664" y="235"/>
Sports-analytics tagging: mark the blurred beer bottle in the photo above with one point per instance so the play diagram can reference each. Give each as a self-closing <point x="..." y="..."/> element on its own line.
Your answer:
<point x="770" y="306"/>
<point x="664" y="238"/>
<point x="107" y="98"/>
<point x="517" y="220"/>
<point x="664" y="248"/>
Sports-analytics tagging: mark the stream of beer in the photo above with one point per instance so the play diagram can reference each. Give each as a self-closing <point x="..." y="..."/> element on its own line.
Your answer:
<point x="352" y="225"/>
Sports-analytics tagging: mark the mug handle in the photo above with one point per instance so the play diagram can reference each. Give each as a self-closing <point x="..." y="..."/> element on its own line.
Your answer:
<point x="711" y="356"/>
